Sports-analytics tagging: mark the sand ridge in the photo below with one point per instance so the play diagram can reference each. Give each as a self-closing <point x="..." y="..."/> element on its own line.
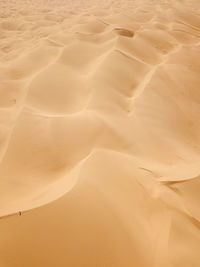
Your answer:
<point x="100" y="135"/>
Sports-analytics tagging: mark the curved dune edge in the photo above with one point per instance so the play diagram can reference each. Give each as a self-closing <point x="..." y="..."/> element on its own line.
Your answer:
<point x="99" y="133"/>
<point x="64" y="185"/>
<point x="49" y="194"/>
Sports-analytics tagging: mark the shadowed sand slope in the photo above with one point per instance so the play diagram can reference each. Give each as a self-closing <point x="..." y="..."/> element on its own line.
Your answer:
<point x="99" y="133"/>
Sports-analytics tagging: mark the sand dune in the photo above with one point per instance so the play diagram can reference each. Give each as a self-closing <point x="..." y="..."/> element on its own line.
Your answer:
<point x="99" y="133"/>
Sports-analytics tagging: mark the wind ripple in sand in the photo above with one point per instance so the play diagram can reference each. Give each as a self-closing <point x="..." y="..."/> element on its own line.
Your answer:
<point x="99" y="133"/>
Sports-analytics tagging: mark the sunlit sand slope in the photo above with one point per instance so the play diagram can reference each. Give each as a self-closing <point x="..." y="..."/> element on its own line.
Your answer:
<point x="99" y="133"/>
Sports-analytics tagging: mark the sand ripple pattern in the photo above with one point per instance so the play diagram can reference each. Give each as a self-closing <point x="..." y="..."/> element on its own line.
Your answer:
<point x="99" y="133"/>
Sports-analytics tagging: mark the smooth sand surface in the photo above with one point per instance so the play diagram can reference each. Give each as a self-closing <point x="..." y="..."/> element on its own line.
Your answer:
<point x="99" y="133"/>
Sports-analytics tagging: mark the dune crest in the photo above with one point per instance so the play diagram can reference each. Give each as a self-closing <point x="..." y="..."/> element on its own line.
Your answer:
<point x="99" y="133"/>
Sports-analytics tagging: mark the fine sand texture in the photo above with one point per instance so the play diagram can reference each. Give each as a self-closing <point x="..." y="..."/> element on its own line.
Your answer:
<point x="99" y="133"/>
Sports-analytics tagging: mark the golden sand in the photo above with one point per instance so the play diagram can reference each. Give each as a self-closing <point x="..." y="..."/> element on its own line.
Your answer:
<point x="100" y="133"/>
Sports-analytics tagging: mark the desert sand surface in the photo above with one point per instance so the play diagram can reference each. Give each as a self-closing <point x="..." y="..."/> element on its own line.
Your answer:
<point x="99" y="133"/>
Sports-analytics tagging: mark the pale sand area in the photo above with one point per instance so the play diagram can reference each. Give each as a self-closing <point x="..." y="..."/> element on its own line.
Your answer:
<point x="100" y="133"/>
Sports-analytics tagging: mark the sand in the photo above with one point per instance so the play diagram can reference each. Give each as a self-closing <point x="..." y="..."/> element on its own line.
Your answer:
<point x="99" y="133"/>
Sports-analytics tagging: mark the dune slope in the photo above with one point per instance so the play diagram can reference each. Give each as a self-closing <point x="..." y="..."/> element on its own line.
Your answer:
<point x="99" y="133"/>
